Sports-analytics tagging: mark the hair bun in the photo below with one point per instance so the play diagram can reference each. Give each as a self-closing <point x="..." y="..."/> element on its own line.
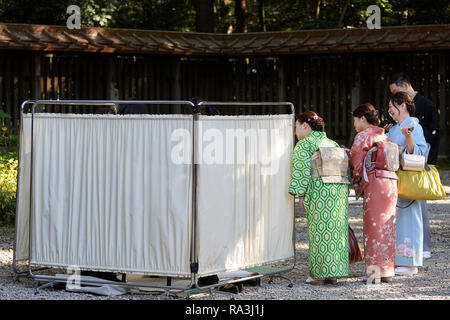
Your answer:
<point x="369" y="112"/>
<point x="312" y="119"/>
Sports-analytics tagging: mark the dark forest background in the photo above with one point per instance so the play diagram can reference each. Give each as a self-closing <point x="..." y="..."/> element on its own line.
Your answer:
<point x="226" y="16"/>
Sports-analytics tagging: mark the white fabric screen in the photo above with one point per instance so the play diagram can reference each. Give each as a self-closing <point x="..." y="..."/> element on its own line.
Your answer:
<point x="107" y="195"/>
<point x="245" y="214"/>
<point x="109" y="192"/>
<point x="23" y="192"/>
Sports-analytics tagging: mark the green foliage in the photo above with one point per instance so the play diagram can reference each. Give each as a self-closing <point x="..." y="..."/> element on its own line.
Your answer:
<point x="8" y="170"/>
<point x="175" y="15"/>
<point x="97" y="13"/>
<point x="49" y="12"/>
<point x="8" y="140"/>
<point x="7" y="232"/>
<point x="8" y="185"/>
<point x="179" y="15"/>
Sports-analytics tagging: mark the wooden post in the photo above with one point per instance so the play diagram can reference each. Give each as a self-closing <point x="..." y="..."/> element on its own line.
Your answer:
<point x="356" y="93"/>
<point x="307" y="84"/>
<point x="356" y="90"/>
<point x="333" y="125"/>
<point x="314" y="69"/>
<point x="328" y="99"/>
<point x="8" y="87"/>
<point x="442" y="108"/>
<point x="111" y="93"/>
<point x="321" y="105"/>
<point x="176" y="85"/>
<point x="36" y="93"/>
<point x="281" y="80"/>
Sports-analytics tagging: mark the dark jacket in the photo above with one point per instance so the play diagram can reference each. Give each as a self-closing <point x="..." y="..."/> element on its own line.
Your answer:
<point x="133" y="109"/>
<point x="427" y="116"/>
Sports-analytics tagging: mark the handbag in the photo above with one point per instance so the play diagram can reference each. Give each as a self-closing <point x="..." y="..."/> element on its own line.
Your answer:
<point x="354" y="253"/>
<point x="423" y="184"/>
<point x="412" y="162"/>
<point x="420" y="185"/>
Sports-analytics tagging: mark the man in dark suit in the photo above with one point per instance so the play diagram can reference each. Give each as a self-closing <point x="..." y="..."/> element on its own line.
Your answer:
<point x="427" y="116"/>
<point x="425" y="112"/>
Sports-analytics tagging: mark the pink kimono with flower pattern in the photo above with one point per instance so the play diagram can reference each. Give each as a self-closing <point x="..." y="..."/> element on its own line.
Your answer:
<point x="379" y="204"/>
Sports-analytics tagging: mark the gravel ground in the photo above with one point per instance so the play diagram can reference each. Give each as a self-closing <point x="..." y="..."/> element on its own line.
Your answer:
<point x="432" y="282"/>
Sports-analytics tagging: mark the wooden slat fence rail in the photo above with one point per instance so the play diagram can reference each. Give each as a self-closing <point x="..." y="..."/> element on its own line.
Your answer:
<point x="332" y="85"/>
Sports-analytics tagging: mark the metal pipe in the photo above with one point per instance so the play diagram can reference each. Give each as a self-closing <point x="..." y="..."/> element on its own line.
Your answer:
<point x="235" y="103"/>
<point x="194" y="238"/>
<point x="194" y="253"/>
<point x="291" y="105"/>
<point x="100" y="282"/>
<point x="30" y="216"/>
<point x="74" y="102"/>
<point x="14" y="263"/>
<point x="111" y="102"/>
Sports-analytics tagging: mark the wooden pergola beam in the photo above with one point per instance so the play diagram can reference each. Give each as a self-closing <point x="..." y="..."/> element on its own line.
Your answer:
<point x="51" y="38"/>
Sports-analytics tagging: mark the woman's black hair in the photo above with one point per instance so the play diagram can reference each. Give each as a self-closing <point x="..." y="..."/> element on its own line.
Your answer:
<point x="399" y="78"/>
<point x="402" y="97"/>
<point x="369" y="112"/>
<point x="312" y="119"/>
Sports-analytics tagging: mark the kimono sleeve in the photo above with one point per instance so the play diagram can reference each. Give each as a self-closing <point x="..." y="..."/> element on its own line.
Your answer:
<point x="420" y="145"/>
<point x="361" y="145"/>
<point x="301" y="170"/>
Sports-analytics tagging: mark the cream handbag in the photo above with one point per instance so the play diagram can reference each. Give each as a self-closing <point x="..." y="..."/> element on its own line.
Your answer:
<point x="412" y="162"/>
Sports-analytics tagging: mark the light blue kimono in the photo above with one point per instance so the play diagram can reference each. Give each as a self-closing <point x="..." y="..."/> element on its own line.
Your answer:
<point x="409" y="215"/>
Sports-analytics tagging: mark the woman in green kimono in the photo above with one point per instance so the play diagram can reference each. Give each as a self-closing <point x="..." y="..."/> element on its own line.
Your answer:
<point x="325" y="204"/>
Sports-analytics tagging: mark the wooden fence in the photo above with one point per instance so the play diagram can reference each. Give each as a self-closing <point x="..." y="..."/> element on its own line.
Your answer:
<point x="331" y="85"/>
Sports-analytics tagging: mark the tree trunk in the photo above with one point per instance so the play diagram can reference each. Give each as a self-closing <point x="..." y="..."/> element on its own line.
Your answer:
<point x="240" y="12"/>
<point x="204" y="18"/>
<point x="344" y="10"/>
<point x="147" y="14"/>
<point x="262" y="18"/>
<point x="313" y="8"/>
<point x="318" y="9"/>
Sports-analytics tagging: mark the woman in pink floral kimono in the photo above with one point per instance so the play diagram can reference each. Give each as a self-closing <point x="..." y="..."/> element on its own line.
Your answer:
<point x="379" y="190"/>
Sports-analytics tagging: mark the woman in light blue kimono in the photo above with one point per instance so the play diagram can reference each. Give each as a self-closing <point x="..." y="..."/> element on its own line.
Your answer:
<point x="408" y="134"/>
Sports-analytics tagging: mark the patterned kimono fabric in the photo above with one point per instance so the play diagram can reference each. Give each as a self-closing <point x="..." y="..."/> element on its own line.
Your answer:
<point x="409" y="215"/>
<point x="379" y="205"/>
<point x="326" y="211"/>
